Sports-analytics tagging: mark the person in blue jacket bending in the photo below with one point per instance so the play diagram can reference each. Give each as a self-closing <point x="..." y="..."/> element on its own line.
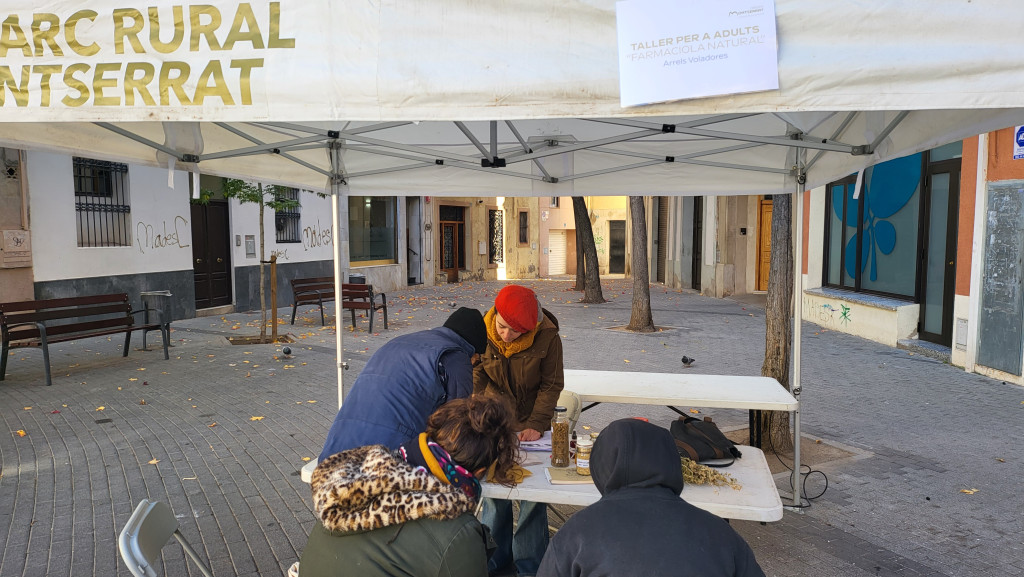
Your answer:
<point x="405" y="381"/>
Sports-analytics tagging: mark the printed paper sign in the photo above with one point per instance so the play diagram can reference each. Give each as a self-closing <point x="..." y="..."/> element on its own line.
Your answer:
<point x="1018" y="143"/>
<point x="678" y="49"/>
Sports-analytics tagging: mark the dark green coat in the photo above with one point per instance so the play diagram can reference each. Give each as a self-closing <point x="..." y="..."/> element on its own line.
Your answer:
<point x="425" y="547"/>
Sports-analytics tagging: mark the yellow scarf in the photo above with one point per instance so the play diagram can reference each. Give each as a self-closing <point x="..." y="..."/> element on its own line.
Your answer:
<point x="519" y="345"/>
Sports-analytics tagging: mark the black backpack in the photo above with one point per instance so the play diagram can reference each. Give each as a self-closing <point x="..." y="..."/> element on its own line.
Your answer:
<point x="702" y="441"/>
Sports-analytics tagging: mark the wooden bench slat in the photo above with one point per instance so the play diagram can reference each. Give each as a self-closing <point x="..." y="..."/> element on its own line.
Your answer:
<point x="63" y="302"/>
<point x="39" y="315"/>
<point x="82" y="327"/>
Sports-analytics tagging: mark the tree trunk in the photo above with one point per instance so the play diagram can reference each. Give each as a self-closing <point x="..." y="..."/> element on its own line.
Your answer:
<point x="779" y="319"/>
<point x="263" y="284"/>
<point x="640" y="319"/>
<point x="581" y="265"/>
<point x="586" y="247"/>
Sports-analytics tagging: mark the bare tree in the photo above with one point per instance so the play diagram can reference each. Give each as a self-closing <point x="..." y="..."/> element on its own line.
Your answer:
<point x="640" y="318"/>
<point x="779" y="318"/>
<point x="588" y="278"/>
<point x="272" y="197"/>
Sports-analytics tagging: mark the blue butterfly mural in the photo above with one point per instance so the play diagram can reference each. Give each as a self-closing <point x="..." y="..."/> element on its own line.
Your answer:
<point x="888" y="188"/>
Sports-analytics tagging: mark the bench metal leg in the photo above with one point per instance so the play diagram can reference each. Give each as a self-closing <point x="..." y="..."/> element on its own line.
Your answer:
<point x="294" y="307"/>
<point x="128" y="341"/>
<point x="384" y="302"/>
<point x="46" y="357"/>
<point x="4" y="350"/>
<point x="165" y="331"/>
<point x="371" y="314"/>
<point x="323" y="321"/>
<point x="353" y="311"/>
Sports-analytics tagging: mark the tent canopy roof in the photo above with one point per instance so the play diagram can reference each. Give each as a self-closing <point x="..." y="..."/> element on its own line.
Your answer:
<point x="521" y="99"/>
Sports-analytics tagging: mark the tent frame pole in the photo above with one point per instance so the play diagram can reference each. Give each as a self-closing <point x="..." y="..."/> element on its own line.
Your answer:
<point x="798" y="290"/>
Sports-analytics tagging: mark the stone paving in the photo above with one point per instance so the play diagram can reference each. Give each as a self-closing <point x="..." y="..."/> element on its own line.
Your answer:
<point x="219" y="432"/>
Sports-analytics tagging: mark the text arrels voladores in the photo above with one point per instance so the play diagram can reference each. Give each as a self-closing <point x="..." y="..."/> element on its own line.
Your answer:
<point x="166" y="30"/>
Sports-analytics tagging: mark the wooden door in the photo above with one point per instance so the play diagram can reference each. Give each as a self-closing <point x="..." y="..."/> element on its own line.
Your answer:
<point x="661" y="240"/>
<point x="450" y="251"/>
<point x="616" y="246"/>
<point x="211" y="254"/>
<point x="764" y="243"/>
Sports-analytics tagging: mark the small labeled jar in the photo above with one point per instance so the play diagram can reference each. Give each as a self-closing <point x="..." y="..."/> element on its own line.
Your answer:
<point x="583" y="448"/>
<point x="560" y="438"/>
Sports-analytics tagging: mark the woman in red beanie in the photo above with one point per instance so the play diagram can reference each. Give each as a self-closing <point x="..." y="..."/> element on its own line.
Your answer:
<point x="523" y="364"/>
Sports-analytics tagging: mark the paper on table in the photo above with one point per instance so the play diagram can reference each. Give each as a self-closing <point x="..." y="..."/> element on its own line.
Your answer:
<point x="541" y="444"/>
<point x="566" y="476"/>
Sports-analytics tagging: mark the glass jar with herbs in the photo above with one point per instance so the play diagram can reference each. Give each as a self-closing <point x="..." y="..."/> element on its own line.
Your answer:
<point x="583" y="448"/>
<point x="560" y="438"/>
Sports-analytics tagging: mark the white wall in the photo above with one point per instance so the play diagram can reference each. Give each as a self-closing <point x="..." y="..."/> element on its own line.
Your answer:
<point x="815" y="238"/>
<point x="315" y="222"/>
<point x="161" y="228"/>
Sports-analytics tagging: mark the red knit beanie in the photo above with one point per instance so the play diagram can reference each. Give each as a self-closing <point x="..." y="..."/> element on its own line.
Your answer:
<point x="519" y="307"/>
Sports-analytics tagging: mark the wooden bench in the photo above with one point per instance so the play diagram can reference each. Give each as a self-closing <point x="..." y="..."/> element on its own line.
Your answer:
<point x="41" y="322"/>
<point x="320" y="290"/>
<point x="362" y="297"/>
<point x="312" y="291"/>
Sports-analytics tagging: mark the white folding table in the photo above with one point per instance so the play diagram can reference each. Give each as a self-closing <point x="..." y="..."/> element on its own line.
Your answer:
<point x="756" y="500"/>
<point x="753" y="393"/>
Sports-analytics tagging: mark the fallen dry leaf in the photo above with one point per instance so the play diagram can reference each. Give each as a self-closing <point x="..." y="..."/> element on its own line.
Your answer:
<point x="307" y="458"/>
<point x="1000" y="460"/>
<point x="28" y="408"/>
<point x="969" y="491"/>
<point x="310" y="401"/>
<point x="625" y="360"/>
<point x="154" y="461"/>
<point x="213" y="424"/>
<point x="54" y="412"/>
<point x="142" y="401"/>
<point x="133" y="379"/>
<point x="255" y="418"/>
<point x="101" y="408"/>
<point x="695" y="411"/>
<point x="21" y="433"/>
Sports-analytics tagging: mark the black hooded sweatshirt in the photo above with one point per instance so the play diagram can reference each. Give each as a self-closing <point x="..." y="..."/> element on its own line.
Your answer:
<point x="641" y="526"/>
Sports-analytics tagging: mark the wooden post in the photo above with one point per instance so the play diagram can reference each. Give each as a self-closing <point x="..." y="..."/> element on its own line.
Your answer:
<point x="273" y="297"/>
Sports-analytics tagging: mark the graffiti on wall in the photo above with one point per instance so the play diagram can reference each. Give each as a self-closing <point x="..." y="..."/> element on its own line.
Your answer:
<point x="599" y="244"/>
<point x="149" y="237"/>
<point x="281" y="254"/>
<point x="315" y="236"/>
<point x="827" y="314"/>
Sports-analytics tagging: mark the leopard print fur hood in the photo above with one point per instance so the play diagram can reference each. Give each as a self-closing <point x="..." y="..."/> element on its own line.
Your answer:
<point x="371" y="487"/>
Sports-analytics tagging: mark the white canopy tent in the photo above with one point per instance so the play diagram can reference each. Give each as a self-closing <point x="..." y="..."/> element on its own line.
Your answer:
<point x="462" y="98"/>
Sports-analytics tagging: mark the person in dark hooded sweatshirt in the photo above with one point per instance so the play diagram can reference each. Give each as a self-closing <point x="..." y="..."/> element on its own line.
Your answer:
<point x="405" y="381"/>
<point x="641" y="526"/>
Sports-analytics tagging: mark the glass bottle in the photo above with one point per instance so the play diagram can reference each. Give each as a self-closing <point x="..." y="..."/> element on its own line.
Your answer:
<point x="583" y="448"/>
<point x="560" y="438"/>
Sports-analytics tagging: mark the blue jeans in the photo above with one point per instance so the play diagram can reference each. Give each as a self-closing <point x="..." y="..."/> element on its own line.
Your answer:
<point x="526" y="546"/>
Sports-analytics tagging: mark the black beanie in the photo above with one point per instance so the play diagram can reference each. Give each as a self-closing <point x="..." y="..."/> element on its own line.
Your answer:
<point x="469" y="324"/>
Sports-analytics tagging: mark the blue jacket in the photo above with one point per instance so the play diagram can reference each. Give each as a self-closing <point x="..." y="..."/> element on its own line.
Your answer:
<point x="401" y="385"/>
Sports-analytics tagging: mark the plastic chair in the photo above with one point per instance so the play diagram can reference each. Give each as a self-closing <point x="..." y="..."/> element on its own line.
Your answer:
<point x="573" y="405"/>
<point x="147" y="531"/>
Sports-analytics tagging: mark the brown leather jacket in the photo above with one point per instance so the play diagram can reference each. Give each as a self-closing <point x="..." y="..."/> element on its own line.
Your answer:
<point x="531" y="379"/>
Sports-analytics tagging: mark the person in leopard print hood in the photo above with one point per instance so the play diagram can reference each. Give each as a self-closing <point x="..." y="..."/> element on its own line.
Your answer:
<point x="410" y="511"/>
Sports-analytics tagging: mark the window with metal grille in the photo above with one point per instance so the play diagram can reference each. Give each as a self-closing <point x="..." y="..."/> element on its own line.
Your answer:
<point x="524" y="227"/>
<point x="287" y="222"/>
<point x="102" y="205"/>
<point x="495" y="232"/>
<point x="554" y="202"/>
